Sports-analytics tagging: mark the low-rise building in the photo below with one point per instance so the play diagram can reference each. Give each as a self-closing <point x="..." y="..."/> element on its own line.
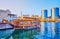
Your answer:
<point x="12" y="17"/>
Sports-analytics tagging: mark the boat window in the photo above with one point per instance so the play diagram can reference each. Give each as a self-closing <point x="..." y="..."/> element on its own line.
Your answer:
<point x="34" y="22"/>
<point x="28" y="22"/>
<point x="21" y="23"/>
<point x="24" y="23"/>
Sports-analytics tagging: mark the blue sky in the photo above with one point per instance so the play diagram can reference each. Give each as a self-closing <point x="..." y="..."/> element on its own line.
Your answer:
<point x="29" y="7"/>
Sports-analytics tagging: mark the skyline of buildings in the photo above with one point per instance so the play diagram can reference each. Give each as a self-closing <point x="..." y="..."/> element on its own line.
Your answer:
<point x="6" y="14"/>
<point x="54" y="13"/>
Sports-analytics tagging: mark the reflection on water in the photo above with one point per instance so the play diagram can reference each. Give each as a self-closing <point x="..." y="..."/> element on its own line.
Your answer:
<point x="57" y="30"/>
<point x="24" y="34"/>
<point x="5" y="33"/>
<point x="48" y="30"/>
<point x="53" y="29"/>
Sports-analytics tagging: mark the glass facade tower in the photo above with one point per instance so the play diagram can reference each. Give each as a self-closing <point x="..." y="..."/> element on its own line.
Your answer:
<point x="44" y="13"/>
<point x="55" y="12"/>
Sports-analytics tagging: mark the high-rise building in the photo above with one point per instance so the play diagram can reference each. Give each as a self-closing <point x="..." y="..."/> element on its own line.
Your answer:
<point x="44" y="14"/>
<point x="55" y="13"/>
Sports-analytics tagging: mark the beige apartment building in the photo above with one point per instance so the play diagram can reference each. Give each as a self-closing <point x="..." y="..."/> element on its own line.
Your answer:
<point x="4" y="14"/>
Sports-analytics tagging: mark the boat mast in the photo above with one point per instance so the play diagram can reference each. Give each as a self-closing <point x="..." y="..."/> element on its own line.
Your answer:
<point x="21" y="15"/>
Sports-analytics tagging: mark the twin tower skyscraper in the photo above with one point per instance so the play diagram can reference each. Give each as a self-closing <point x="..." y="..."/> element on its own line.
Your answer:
<point x="54" y="13"/>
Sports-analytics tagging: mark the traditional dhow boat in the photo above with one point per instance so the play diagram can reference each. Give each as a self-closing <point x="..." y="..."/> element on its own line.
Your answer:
<point x="24" y="23"/>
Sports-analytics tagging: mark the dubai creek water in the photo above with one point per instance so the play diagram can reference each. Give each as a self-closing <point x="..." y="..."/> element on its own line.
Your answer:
<point x="47" y="30"/>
